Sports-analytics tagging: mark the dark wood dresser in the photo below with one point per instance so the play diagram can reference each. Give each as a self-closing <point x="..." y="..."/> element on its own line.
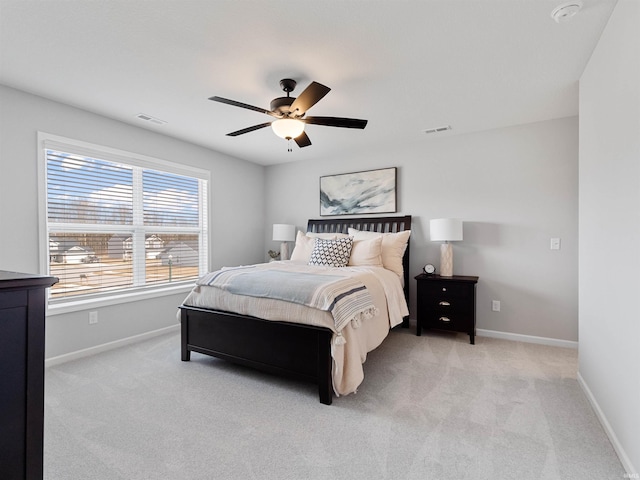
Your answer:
<point x="22" y="316"/>
<point x="447" y="303"/>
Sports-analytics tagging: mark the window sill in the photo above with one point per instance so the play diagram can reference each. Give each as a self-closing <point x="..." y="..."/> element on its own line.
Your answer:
<point x="92" y="303"/>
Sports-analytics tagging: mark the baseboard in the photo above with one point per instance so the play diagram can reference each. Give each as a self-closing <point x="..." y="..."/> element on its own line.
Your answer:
<point x="554" y="342"/>
<point x="622" y="455"/>
<point x="67" y="357"/>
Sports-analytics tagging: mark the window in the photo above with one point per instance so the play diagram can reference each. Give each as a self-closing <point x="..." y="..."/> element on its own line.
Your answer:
<point x="119" y="222"/>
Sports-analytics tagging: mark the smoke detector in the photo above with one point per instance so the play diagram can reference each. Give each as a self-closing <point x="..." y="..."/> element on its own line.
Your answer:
<point x="564" y="13"/>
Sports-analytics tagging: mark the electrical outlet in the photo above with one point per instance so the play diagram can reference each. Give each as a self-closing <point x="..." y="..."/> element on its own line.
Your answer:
<point x="93" y="318"/>
<point x="495" y="305"/>
<point x="555" y="244"/>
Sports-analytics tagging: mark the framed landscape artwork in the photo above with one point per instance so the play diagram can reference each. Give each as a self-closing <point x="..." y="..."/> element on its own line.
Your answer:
<point x="372" y="191"/>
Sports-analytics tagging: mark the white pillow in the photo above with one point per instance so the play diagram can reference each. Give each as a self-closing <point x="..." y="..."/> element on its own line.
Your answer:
<point x="331" y="253"/>
<point x="306" y="241"/>
<point x="393" y="247"/>
<point x="367" y="252"/>
<point x="327" y="236"/>
<point x="303" y="248"/>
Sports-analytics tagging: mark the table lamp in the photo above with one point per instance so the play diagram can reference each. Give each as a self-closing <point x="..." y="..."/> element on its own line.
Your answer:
<point x="284" y="233"/>
<point x="446" y="230"/>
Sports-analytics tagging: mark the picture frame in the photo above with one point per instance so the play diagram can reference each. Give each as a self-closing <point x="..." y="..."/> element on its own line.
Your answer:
<point x="369" y="191"/>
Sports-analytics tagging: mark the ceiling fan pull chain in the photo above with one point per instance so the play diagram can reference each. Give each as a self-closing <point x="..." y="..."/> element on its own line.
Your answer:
<point x="289" y="149"/>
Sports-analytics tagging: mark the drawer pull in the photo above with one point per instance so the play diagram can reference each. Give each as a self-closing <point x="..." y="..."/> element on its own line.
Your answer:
<point x="444" y="303"/>
<point x="444" y="319"/>
<point x="444" y="289"/>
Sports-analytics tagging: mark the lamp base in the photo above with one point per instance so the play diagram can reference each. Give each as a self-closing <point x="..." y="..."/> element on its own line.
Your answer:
<point x="284" y="251"/>
<point x="446" y="260"/>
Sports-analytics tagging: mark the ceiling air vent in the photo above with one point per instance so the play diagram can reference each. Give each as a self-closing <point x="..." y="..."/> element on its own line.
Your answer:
<point x="149" y="118"/>
<point x="444" y="128"/>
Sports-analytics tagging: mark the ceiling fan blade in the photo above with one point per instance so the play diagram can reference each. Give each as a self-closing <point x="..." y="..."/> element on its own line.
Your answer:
<point x="336" y="122"/>
<point x="308" y="98"/>
<point x="243" y="105"/>
<point x="302" y="140"/>
<point x="248" y="129"/>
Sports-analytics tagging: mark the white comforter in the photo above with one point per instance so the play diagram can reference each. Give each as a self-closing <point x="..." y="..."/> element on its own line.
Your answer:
<point x="350" y="345"/>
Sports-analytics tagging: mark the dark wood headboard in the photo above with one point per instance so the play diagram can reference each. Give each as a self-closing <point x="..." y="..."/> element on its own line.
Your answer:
<point x="371" y="224"/>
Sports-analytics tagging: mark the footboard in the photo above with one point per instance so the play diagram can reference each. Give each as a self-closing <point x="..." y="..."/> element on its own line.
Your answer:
<point x="298" y="351"/>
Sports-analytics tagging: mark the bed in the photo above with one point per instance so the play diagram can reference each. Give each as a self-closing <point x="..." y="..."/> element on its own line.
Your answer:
<point x="284" y="346"/>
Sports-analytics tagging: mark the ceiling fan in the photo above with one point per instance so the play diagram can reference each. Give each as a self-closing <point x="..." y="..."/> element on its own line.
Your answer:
<point x="290" y="113"/>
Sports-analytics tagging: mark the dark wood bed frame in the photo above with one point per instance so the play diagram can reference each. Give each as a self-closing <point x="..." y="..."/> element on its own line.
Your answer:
<point x="297" y="351"/>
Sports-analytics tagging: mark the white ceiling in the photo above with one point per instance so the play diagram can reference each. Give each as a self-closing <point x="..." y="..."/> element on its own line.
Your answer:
<point x="404" y="65"/>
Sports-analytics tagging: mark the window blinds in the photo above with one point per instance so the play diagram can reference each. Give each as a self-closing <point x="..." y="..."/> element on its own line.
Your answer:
<point x="115" y="224"/>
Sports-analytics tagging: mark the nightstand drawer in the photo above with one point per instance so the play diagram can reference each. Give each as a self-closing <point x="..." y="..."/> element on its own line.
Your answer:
<point x="456" y="321"/>
<point x="443" y="290"/>
<point x="446" y="304"/>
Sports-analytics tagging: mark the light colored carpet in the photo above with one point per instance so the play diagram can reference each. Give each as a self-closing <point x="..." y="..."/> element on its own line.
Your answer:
<point x="431" y="407"/>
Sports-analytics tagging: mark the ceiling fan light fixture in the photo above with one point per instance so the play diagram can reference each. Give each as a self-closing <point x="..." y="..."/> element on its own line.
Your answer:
<point x="289" y="112"/>
<point x="287" y="128"/>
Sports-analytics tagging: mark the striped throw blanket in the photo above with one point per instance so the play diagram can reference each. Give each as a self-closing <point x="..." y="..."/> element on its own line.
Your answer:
<point x="345" y="298"/>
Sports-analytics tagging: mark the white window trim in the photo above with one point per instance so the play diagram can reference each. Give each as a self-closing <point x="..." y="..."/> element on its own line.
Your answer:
<point x="81" y="304"/>
<point x="120" y="156"/>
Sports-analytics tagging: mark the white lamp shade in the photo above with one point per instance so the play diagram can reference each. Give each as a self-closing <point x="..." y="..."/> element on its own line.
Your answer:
<point x="445" y="229"/>
<point x="287" y="128"/>
<point x="283" y="232"/>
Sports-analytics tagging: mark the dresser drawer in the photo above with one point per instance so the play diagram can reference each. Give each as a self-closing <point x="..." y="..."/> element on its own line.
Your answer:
<point x="14" y="298"/>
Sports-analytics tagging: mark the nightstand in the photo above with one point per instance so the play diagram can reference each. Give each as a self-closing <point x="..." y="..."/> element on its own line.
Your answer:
<point x="447" y="303"/>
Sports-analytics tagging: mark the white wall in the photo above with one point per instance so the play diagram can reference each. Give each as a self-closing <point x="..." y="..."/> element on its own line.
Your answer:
<point x="610" y="230"/>
<point x="515" y="188"/>
<point x="22" y="115"/>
